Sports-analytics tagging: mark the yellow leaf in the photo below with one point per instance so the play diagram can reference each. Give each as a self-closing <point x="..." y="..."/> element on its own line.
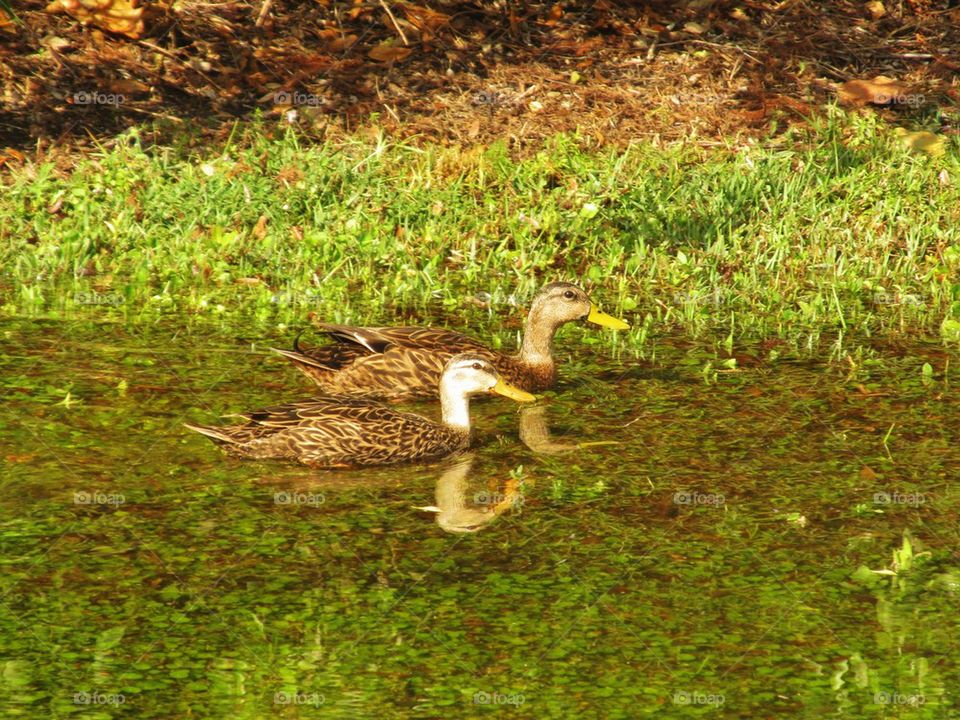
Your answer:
<point x="876" y="9"/>
<point x="922" y="141"/>
<point x="117" y="16"/>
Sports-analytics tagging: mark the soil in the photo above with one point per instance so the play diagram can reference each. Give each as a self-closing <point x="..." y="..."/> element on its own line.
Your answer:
<point x="466" y="72"/>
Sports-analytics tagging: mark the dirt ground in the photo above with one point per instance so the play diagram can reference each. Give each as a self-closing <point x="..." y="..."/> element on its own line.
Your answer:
<point x="466" y="72"/>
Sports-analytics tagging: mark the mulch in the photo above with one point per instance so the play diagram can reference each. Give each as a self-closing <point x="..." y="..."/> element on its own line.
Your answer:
<point x="465" y="72"/>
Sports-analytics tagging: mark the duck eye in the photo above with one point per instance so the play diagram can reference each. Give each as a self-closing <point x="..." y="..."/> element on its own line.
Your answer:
<point x="477" y="366"/>
<point x="569" y="294"/>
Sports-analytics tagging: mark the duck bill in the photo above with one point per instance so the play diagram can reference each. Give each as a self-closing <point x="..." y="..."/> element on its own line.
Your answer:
<point x="600" y="318"/>
<point x="514" y="393"/>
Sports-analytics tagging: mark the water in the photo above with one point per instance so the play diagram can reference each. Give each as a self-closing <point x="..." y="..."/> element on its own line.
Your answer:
<point x="775" y="540"/>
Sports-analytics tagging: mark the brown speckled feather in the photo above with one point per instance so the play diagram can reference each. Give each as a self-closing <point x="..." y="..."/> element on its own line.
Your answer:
<point x="337" y="431"/>
<point x="406" y="362"/>
<point x="402" y="362"/>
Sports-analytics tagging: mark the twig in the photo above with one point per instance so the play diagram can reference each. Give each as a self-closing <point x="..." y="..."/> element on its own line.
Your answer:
<point x="396" y="25"/>
<point x="264" y="9"/>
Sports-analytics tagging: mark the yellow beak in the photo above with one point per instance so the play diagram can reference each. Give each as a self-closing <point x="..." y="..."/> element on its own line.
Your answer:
<point x="514" y="393"/>
<point x="602" y="319"/>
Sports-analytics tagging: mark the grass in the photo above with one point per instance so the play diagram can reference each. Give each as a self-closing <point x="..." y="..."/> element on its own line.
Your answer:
<point x="829" y="232"/>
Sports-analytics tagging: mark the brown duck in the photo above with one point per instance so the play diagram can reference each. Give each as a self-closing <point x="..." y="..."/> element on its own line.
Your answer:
<point x="340" y="431"/>
<point x="406" y="362"/>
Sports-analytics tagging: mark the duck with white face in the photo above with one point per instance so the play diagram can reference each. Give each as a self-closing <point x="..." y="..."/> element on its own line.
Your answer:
<point x="342" y="431"/>
<point x="397" y="363"/>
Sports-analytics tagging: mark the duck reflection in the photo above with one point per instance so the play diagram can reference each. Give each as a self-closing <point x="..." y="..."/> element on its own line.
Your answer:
<point x="535" y="433"/>
<point x="462" y="508"/>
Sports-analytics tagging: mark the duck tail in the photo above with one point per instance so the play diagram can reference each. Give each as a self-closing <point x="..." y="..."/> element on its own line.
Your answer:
<point x="214" y="433"/>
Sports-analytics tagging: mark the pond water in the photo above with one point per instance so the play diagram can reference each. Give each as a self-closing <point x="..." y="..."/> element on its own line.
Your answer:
<point x="655" y="537"/>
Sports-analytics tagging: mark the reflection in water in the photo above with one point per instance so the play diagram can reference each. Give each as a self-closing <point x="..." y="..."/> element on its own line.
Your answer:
<point x="460" y="510"/>
<point x="535" y="434"/>
<point x="910" y="642"/>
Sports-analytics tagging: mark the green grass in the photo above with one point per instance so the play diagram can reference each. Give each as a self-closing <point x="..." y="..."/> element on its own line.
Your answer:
<point x="831" y="232"/>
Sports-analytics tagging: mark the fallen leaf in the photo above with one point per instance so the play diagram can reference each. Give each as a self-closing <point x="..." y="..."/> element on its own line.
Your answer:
<point x="576" y="47"/>
<point x="879" y="91"/>
<point x="339" y="44"/>
<point x="922" y="141"/>
<point x="425" y="19"/>
<point x="876" y="9"/>
<point x="386" y="52"/>
<point x="260" y="229"/>
<point x="124" y="86"/>
<point x="117" y="16"/>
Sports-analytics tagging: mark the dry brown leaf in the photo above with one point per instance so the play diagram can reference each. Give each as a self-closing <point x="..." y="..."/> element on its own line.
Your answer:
<point x="339" y="44"/>
<point x="385" y="52"/>
<point x="879" y="91"/>
<point x="117" y="16"/>
<point x="876" y="9"/>
<point x="125" y="86"/>
<point x="425" y="19"/>
<point x="576" y="47"/>
<point x="260" y="229"/>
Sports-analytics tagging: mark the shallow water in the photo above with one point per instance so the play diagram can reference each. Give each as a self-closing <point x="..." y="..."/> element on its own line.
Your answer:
<point x="674" y="542"/>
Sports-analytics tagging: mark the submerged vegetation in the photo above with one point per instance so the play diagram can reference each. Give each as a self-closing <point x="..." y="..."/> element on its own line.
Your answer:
<point x="830" y="231"/>
<point x="740" y="550"/>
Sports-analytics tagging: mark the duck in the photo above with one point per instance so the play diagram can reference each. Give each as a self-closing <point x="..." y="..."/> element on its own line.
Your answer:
<point x="343" y="431"/>
<point x="401" y="363"/>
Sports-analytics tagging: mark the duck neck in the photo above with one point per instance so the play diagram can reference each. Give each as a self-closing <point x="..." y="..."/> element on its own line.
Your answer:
<point x="537" y="345"/>
<point x="454" y="407"/>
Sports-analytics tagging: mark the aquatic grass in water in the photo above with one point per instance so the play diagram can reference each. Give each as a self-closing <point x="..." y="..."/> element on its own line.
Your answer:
<point x="740" y="552"/>
<point x="834" y="232"/>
